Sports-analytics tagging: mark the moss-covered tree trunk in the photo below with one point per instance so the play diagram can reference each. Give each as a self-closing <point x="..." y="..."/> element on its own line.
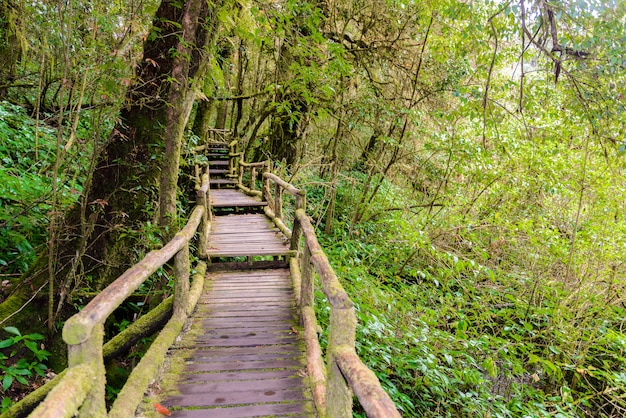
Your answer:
<point x="10" y="47"/>
<point x="202" y="121"/>
<point x="135" y="177"/>
<point x="190" y="65"/>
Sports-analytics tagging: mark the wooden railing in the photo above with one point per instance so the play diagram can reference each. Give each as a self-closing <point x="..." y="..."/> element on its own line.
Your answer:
<point x="81" y="389"/>
<point x="343" y="373"/>
<point x="333" y="380"/>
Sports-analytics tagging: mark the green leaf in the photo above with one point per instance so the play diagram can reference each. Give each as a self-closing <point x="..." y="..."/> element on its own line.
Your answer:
<point x="22" y="372"/>
<point x="6" y="343"/>
<point x="34" y="337"/>
<point x="7" y="381"/>
<point x="491" y="367"/>
<point x="32" y="346"/>
<point x="13" y="330"/>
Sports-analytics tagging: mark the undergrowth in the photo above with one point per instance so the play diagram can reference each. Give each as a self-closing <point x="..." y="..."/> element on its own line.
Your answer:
<point x="454" y="329"/>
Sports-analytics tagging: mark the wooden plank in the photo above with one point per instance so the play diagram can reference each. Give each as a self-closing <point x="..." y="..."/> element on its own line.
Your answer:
<point x="271" y="288"/>
<point x="257" y="375"/>
<point x="242" y="304"/>
<point x="279" y="314"/>
<point x="223" y="198"/>
<point x="289" y="383"/>
<point x="245" y="332"/>
<point x="213" y="163"/>
<point x="226" y="323"/>
<point x="222" y="181"/>
<point x="242" y="341"/>
<point x="252" y="323"/>
<point x="273" y="410"/>
<point x="248" y="285"/>
<point x="205" y="351"/>
<point x="231" y="254"/>
<point x="213" y="358"/>
<point x="237" y="398"/>
<point x="244" y="365"/>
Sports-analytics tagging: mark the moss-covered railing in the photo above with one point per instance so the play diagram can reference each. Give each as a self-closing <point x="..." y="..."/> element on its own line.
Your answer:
<point x="343" y="373"/>
<point x="81" y="388"/>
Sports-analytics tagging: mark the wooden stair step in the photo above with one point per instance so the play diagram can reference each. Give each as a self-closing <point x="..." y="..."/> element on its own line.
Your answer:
<point x="214" y="171"/>
<point x="230" y="198"/>
<point x="218" y="163"/>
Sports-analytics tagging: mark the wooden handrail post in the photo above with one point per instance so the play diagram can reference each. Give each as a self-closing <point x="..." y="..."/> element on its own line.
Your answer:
<point x="232" y="158"/>
<point x="307" y="277"/>
<point x="296" y="232"/>
<point x="278" y="201"/>
<point x="301" y="200"/>
<point x="241" y="168"/>
<point x="253" y="178"/>
<point x="89" y="353"/>
<point x="342" y="333"/>
<point x="198" y="176"/>
<point x="267" y="191"/>
<point x="202" y="199"/>
<point x="181" y="283"/>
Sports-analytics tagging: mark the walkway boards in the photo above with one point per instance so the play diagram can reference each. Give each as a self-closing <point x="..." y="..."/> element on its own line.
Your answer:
<point x="242" y="356"/>
<point x="246" y="235"/>
<point x="232" y="198"/>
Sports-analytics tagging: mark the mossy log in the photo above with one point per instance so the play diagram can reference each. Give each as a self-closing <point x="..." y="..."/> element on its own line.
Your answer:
<point x="278" y="222"/>
<point x="250" y="192"/>
<point x="282" y="183"/>
<point x="77" y="381"/>
<point x="132" y="393"/>
<point x="197" y="285"/>
<point x="315" y="363"/>
<point x="296" y="278"/>
<point x="342" y="332"/>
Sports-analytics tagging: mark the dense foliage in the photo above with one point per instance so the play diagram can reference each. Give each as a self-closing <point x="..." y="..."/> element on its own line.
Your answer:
<point x="464" y="162"/>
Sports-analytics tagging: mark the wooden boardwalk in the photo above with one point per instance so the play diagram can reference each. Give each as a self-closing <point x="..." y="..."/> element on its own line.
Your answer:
<point x="246" y="235"/>
<point x="242" y="354"/>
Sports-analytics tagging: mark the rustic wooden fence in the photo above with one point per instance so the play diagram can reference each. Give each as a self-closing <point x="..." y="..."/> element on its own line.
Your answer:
<point x="85" y="377"/>
<point x="342" y="374"/>
<point x="334" y="377"/>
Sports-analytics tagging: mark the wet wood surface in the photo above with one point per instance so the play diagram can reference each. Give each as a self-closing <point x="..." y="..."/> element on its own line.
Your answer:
<point x="242" y="355"/>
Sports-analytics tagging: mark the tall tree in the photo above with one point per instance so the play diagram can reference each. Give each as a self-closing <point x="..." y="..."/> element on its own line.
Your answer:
<point x="139" y="162"/>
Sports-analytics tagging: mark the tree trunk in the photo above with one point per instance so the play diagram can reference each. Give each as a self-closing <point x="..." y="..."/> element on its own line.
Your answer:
<point x="105" y="237"/>
<point x="10" y="48"/>
<point x="187" y="68"/>
<point x="202" y="121"/>
<point x="224" y="54"/>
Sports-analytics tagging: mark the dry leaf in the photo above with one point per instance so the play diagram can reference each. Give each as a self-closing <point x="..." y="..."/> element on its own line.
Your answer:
<point x="162" y="410"/>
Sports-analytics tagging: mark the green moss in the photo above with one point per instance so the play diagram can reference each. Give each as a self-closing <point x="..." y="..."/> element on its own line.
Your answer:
<point x="132" y="393"/>
<point x="140" y="328"/>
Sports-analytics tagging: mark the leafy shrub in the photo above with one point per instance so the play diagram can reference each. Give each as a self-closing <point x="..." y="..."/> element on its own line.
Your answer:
<point x="21" y="359"/>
